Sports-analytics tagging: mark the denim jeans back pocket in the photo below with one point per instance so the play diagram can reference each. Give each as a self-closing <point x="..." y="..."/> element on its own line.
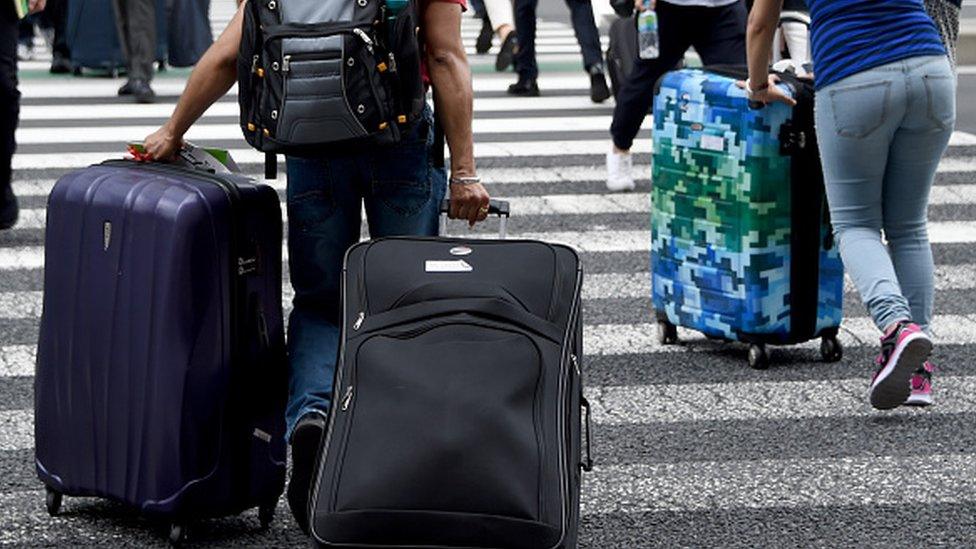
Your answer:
<point x="401" y="175"/>
<point x="310" y="195"/>
<point x="940" y="98"/>
<point x="860" y="109"/>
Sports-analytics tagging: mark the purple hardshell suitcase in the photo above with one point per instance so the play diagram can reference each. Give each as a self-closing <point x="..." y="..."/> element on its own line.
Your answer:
<point x="161" y="377"/>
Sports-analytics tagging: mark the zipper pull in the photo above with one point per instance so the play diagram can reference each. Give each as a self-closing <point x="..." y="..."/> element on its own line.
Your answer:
<point x="254" y="63"/>
<point x="359" y="321"/>
<point x="285" y="63"/>
<point x="347" y="399"/>
<point x="365" y="38"/>
<point x="575" y="362"/>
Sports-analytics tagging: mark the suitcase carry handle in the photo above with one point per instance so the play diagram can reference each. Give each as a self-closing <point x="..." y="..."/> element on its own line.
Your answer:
<point x="587" y="461"/>
<point x="501" y="208"/>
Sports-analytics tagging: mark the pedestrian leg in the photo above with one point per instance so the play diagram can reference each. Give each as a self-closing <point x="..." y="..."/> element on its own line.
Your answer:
<point x="9" y="112"/>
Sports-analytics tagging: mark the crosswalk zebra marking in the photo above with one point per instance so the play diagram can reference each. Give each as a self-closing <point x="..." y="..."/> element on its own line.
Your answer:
<point x="16" y="430"/>
<point x="580" y="204"/>
<point x="625" y="339"/>
<point x="944" y="232"/>
<point x="482" y="126"/>
<point x="634" y="339"/>
<point x="28" y="304"/>
<point x="941" y="194"/>
<point x="873" y="481"/>
<point x="694" y="402"/>
<point x="162" y="111"/>
<point x="760" y="400"/>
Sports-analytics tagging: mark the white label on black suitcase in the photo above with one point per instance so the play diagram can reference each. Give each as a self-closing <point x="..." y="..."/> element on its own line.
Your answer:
<point x="456" y="266"/>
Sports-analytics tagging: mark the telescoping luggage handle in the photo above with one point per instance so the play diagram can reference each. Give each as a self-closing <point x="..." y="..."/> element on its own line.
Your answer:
<point x="501" y="208"/>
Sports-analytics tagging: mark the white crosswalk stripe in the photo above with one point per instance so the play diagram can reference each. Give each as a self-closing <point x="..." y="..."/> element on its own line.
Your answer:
<point x="596" y="239"/>
<point x="544" y="155"/>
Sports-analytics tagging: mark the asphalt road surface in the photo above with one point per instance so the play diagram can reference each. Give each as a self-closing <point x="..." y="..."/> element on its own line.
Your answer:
<point x="693" y="448"/>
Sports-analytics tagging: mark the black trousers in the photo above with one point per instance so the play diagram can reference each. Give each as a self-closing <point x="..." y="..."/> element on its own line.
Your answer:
<point x="719" y="37"/>
<point x="581" y="12"/>
<point x="9" y="96"/>
<point x="136" y="23"/>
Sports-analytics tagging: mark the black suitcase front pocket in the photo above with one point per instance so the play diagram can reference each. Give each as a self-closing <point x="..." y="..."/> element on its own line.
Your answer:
<point x="444" y="419"/>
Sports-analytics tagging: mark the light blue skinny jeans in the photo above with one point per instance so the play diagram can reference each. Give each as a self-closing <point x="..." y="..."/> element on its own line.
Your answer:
<point x="882" y="133"/>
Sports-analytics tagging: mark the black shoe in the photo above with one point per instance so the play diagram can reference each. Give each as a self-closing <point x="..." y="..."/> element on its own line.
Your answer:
<point x="142" y="92"/>
<point x="305" y="442"/>
<point x="525" y="87"/>
<point x="599" y="92"/>
<point x="60" y="64"/>
<point x="8" y="209"/>
<point x="483" y="44"/>
<point x="506" y="55"/>
<point x="126" y="88"/>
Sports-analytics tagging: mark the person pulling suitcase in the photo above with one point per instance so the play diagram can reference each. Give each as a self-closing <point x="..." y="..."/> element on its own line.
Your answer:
<point x="717" y="30"/>
<point x="370" y="156"/>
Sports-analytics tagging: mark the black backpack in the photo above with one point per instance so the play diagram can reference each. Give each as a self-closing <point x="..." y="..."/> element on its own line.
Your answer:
<point x="316" y="73"/>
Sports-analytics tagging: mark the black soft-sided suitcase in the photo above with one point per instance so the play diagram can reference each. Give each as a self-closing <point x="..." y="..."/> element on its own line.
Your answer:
<point x="458" y="399"/>
<point x="93" y="36"/>
<point x="161" y="377"/>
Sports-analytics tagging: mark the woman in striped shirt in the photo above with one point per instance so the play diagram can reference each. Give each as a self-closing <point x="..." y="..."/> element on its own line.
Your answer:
<point x="885" y="108"/>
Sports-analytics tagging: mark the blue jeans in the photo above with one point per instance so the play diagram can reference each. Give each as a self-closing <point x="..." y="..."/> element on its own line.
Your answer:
<point x="401" y="190"/>
<point x="882" y="133"/>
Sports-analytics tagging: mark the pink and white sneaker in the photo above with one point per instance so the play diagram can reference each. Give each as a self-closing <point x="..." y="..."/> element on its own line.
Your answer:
<point x="903" y="352"/>
<point x="921" y="394"/>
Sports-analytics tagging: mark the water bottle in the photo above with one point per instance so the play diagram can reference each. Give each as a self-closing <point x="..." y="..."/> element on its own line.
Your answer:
<point x="647" y="37"/>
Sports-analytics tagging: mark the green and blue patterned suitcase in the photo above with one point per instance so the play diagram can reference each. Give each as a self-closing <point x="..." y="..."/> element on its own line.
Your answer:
<point x="741" y="247"/>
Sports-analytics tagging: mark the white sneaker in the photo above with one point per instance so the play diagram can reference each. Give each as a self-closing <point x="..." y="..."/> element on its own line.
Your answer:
<point x="619" y="166"/>
<point x="24" y="53"/>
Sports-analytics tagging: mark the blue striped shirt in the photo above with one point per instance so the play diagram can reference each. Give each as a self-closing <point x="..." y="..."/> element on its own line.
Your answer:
<point x="851" y="36"/>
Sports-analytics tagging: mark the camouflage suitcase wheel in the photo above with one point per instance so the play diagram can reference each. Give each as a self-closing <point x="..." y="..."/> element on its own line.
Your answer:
<point x="742" y="248"/>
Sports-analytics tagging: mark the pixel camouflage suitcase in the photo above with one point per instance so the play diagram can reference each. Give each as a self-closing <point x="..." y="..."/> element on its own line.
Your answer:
<point x="161" y="377"/>
<point x="741" y="246"/>
<point x="458" y="398"/>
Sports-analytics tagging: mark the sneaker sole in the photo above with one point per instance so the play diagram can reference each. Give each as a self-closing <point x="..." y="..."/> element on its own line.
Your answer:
<point x="892" y="387"/>
<point x="920" y="401"/>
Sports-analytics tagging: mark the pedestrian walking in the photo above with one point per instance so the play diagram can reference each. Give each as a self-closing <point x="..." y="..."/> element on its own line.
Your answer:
<point x="497" y="20"/>
<point x="885" y="109"/>
<point x="793" y="36"/>
<point x="587" y="35"/>
<point x="945" y="15"/>
<point x="136" y="23"/>
<point x="56" y="13"/>
<point x="716" y="28"/>
<point x="400" y="186"/>
<point x="9" y="106"/>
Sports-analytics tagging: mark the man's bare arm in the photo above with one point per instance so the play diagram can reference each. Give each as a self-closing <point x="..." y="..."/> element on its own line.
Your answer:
<point x="450" y="76"/>
<point x="210" y="80"/>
